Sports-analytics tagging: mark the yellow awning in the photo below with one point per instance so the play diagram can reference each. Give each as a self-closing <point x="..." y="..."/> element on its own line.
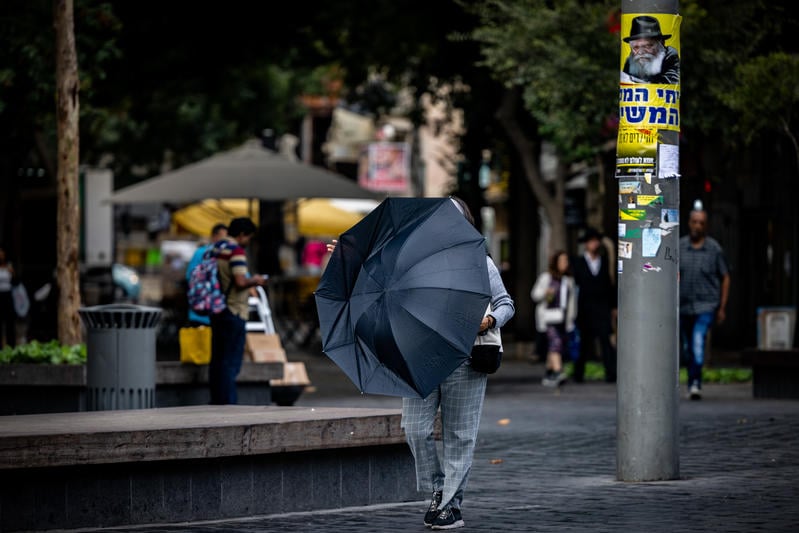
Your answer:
<point x="320" y="217"/>
<point x="198" y="219"/>
<point x="317" y="217"/>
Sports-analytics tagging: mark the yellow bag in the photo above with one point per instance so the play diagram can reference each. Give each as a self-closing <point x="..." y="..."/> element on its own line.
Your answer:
<point x="195" y="345"/>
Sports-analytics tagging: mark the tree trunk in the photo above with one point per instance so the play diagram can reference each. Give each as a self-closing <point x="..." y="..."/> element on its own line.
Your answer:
<point x="552" y="201"/>
<point x="68" y="217"/>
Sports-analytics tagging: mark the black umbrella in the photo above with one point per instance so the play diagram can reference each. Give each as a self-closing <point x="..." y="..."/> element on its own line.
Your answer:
<point x="402" y="297"/>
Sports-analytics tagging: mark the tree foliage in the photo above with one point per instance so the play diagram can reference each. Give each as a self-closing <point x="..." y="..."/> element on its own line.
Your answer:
<point x="169" y="82"/>
<point x="562" y="59"/>
<point x="191" y="82"/>
<point x="717" y="37"/>
<point x="565" y="61"/>
<point x="27" y="72"/>
<point x="765" y="96"/>
<point x="565" y="58"/>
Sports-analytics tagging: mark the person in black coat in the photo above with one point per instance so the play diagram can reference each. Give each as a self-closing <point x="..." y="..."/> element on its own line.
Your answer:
<point x="596" y="304"/>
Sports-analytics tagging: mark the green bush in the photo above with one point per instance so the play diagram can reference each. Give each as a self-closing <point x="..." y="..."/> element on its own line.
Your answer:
<point x="721" y="375"/>
<point x="596" y="372"/>
<point x="52" y="353"/>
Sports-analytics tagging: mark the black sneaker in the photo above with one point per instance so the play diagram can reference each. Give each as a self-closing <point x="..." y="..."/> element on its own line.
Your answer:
<point x="433" y="511"/>
<point x="449" y="518"/>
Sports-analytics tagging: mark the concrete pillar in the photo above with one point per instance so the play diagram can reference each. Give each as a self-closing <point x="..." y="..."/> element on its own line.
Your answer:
<point x="647" y="174"/>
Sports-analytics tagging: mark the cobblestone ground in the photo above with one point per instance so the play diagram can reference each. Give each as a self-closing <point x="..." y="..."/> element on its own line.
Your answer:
<point x="551" y="467"/>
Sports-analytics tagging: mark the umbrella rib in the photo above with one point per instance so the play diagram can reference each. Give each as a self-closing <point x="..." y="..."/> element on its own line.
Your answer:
<point x="366" y="379"/>
<point x="427" y="327"/>
<point x="377" y="282"/>
<point x="426" y="275"/>
<point x="441" y="250"/>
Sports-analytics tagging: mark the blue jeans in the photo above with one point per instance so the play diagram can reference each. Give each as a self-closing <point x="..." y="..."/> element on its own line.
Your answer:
<point x="228" y="333"/>
<point x="693" y="329"/>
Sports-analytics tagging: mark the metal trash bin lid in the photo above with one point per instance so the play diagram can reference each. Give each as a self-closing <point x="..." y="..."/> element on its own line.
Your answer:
<point x="120" y="316"/>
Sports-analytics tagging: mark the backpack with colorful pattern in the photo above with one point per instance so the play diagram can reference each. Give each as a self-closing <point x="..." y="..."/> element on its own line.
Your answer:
<point x="205" y="294"/>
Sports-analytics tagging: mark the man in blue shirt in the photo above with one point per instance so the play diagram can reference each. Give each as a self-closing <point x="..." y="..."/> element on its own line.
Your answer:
<point x="218" y="233"/>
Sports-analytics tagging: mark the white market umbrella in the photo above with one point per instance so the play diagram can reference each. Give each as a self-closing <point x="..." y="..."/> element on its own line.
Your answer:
<point x="249" y="171"/>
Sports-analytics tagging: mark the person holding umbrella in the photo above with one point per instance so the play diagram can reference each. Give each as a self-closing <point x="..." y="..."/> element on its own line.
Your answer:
<point x="458" y="394"/>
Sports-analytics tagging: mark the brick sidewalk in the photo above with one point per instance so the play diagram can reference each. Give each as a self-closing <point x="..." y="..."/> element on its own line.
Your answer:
<point x="552" y="466"/>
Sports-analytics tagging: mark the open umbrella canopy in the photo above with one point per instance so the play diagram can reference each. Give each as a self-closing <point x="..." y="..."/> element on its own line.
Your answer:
<point x="249" y="171"/>
<point x="402" y="297"/>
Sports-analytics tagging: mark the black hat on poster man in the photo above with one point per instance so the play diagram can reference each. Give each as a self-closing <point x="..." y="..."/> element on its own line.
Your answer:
<point x="645" y="27"/>
<point x="590" y="233"/>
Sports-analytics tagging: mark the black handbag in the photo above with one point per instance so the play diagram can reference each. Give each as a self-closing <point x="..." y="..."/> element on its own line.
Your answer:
<point x="486" y="358"/>
<point x="487" y="351"/>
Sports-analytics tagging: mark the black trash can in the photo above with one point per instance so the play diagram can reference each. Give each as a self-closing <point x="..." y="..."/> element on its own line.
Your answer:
<point x="120" y="351"/>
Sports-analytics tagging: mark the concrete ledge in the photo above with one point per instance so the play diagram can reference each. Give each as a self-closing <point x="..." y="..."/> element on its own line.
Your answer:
<point x="31" y="389"/>
<point x="195" y="432"/>
<point x="102" y="496"/>
<point x="167" y="373"/>
<point x="43" y="375"/>
<point x="177" y="373"/>
<point x="113" y="468"/>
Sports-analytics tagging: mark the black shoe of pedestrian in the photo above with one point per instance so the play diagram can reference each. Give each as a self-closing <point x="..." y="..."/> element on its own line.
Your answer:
<point x="449" y="518"/>
<point x="433" y="511"/>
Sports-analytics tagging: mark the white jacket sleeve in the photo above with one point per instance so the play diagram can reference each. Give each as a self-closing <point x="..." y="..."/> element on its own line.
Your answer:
<point x="539" y="291"/>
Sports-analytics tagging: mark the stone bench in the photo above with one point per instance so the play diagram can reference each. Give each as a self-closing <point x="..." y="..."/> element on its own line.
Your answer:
<point x="775" y="373"/>
<point x="165" y="465"/>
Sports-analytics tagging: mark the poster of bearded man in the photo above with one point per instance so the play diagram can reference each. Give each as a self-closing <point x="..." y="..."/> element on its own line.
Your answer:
<point x="650" y="60"/>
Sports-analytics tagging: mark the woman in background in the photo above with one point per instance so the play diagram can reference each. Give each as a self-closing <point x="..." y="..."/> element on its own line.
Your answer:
<point x="556" y="308"/>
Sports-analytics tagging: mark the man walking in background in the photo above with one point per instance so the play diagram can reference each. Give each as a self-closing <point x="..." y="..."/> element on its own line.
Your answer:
<point x="704" y="288"/>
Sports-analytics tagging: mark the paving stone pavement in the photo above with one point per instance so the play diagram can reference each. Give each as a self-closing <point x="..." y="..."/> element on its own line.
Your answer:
<point x="545" y="461"/>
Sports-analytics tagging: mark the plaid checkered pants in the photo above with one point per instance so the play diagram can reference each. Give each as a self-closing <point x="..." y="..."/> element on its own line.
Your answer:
<point x="460" y="398"/>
